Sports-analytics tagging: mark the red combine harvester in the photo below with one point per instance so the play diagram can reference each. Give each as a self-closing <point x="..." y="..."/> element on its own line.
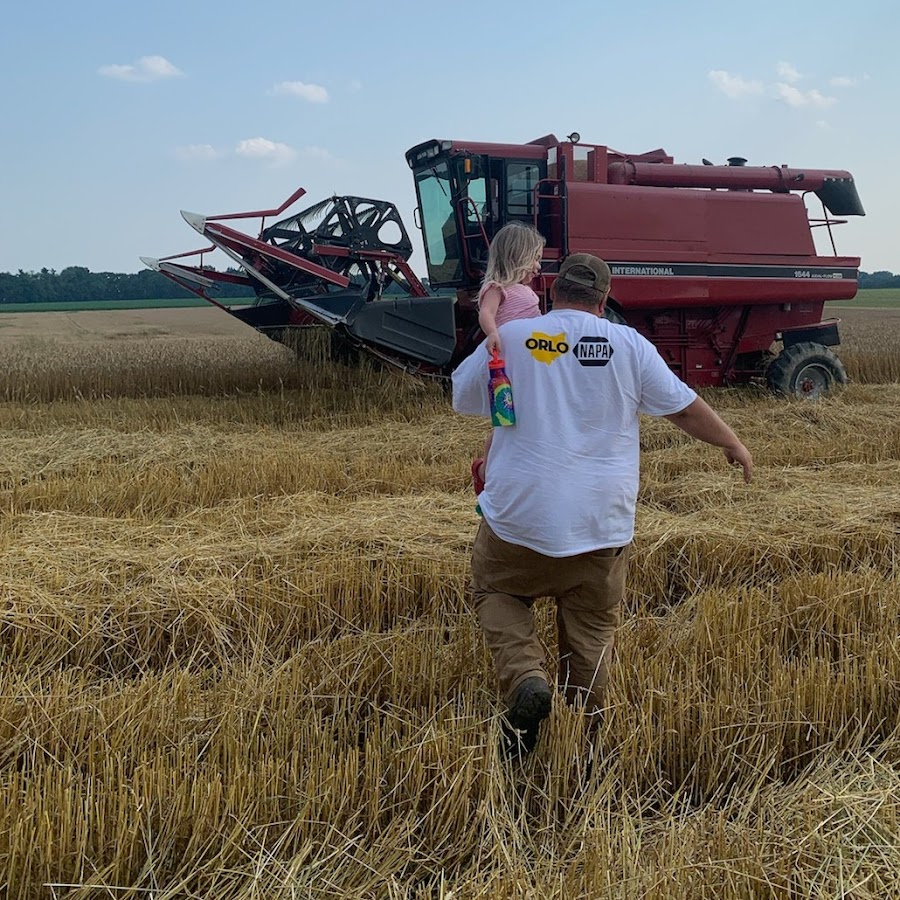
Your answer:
<point x="716" y="265"/>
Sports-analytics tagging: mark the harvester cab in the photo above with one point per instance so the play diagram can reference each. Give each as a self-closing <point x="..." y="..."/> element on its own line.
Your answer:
<point x="465" y="193"/>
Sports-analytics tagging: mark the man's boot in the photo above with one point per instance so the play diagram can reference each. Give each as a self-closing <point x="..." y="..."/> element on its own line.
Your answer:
<point x="528" y="707"/>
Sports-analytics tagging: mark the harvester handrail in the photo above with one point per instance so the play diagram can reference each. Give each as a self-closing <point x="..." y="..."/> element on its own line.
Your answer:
<point x="468" y="201"/>
<point x="535" y="206"/>
<point x="827" y="222"/>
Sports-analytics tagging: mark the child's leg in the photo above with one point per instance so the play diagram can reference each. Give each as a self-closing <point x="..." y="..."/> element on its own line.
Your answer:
<point x="479" y="465"/>
<point x="487" y="449"/>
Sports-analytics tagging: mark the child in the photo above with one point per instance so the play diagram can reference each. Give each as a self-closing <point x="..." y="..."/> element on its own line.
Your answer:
<point x="514" y="259"/>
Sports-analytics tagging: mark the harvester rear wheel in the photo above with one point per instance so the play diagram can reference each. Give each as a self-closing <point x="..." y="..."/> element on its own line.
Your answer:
<point x="806" y="371"/>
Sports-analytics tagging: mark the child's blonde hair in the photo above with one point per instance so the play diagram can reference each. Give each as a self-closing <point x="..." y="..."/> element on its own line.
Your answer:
<point x="512" y="254"/>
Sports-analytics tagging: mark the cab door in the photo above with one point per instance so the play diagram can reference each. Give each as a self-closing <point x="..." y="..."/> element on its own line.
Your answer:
<point x="493" y="192"/>
<point x="479" y="211"/>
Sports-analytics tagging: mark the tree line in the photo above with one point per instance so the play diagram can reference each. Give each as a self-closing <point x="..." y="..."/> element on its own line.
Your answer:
<point x="879" y="280"/>
<point x="77" y="283"/>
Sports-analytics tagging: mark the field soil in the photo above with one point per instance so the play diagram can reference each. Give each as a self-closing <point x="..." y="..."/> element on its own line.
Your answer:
<point x="851" y="315"/>
<point x="239" y="659"/>
<point x="115" y="324"/>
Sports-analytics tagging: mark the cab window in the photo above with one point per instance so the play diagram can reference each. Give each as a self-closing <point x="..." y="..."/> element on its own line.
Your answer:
<point x="439" y="223"/>
<point x="521" y="180"/>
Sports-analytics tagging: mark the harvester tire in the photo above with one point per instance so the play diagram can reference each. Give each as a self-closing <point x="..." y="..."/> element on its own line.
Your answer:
<point x="806" y="371"/>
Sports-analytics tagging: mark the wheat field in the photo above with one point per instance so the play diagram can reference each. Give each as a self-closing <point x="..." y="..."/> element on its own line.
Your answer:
<point x="238" y="658"/>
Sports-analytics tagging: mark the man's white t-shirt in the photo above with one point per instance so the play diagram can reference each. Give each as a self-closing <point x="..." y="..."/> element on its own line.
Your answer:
<point x="564" y="479"/>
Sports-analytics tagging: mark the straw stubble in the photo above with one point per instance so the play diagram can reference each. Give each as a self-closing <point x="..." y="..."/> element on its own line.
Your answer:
<point x="239" y="658"/>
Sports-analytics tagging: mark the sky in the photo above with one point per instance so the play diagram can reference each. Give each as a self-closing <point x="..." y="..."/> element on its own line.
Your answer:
<point x="116" y="115"/>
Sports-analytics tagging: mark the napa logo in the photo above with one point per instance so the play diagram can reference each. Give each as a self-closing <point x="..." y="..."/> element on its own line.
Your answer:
<point x="593" y="351"/>
<point x="547" y="347"/>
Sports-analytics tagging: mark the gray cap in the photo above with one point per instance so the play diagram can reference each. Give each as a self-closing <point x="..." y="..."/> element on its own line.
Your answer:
<point x="587" y="270"/>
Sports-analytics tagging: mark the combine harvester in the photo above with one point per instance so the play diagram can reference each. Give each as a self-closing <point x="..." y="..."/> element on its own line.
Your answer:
<point x="716" y="265"/>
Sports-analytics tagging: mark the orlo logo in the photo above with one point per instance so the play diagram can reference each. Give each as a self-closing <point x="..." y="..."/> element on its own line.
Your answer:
<point x="545" y="347"/>
<point x="593" y="351"/>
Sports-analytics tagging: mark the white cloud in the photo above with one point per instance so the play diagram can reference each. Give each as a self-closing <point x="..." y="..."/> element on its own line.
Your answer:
<point x="797" y="98"/>
<point x="147" y="68"/>
<point x="844" y="81"/>
<point x="197" y="152"/>
<point x="262" y="148"/>
<point x="314" y="93"/>
<point x="734" y="86"/>
<point x="787" y="72"/>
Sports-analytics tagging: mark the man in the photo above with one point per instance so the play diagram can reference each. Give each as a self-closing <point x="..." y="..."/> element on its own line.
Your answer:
<point x="561" y="485"/>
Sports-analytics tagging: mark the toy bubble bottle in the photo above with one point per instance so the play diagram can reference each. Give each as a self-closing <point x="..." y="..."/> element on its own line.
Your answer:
<point x="500" y="391"/>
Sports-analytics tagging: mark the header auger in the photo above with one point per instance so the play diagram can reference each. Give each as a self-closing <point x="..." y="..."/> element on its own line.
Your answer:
<point x="715" y="264"/>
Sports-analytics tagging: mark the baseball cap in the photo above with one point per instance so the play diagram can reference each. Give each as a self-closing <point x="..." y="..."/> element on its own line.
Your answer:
<point x="587" y="270"/>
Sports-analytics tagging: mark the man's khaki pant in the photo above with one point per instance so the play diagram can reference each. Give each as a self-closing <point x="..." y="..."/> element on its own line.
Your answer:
<point x="588" y="588"/>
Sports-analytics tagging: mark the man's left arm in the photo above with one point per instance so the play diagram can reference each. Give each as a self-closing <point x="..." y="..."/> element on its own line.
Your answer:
<point x="470" y="378"/>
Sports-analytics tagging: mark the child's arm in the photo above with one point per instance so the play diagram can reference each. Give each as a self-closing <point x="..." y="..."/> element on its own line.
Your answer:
<point x="487" y="316"/>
